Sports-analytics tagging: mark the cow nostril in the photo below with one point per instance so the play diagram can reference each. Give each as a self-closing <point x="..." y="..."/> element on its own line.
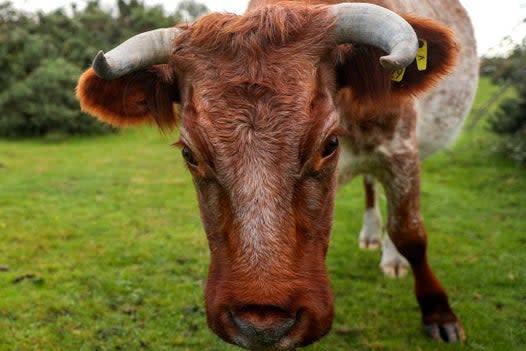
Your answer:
<point x="262" y="316"/>
<point x="262" y="324"/>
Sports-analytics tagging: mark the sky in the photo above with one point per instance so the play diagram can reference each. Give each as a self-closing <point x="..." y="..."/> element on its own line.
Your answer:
<point x="492" y="22"/>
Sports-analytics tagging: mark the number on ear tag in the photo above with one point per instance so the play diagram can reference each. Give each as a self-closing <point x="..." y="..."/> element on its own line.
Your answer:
<point x="398" y="75"/>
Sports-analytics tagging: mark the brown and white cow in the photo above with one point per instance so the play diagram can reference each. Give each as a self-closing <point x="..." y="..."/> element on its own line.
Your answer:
<point x="274" y="108"/>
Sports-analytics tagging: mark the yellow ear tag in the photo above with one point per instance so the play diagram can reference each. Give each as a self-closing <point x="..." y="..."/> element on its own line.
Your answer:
<point x="421" y="55"/>
<point x="398" y="75"/>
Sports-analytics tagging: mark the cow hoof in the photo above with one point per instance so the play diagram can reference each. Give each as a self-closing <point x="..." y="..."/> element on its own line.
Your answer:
<point x="370" y="235"/>
<point x="449" y="332"/>
<point x="396" y="269"/>
<point x="370" y="244"/>
<point x="393" y="264"/>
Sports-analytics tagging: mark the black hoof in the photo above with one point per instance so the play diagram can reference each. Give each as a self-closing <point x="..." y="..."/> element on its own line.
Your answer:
<point x="448" y="332"/>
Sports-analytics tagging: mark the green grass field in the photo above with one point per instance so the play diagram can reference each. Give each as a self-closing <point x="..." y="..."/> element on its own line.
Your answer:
<point x="101" y="248"/>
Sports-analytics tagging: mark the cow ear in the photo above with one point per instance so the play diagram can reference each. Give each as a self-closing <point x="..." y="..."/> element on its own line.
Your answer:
<point x="359" y="70"/>
<point x="145" y="96"/>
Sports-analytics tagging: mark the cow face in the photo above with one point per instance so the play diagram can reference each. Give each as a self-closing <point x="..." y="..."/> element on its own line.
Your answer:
<point x="260" y="132"/>
<point x="264" y="165"/>
<point x="261" y="141"/>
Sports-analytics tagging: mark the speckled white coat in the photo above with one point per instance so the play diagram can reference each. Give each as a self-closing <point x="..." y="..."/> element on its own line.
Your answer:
<point x="440" y="115"/>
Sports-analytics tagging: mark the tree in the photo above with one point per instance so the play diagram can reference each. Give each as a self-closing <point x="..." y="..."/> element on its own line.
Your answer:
<point x="189" y="10"/>
<point x="509" y="120"/>
<point x="43" y="54"/>
<point x="44" y="103"/>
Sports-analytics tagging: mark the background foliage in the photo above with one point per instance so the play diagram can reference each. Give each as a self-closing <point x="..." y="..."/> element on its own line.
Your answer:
<point x="509" y="119"/>
<point x="43" y="54"/>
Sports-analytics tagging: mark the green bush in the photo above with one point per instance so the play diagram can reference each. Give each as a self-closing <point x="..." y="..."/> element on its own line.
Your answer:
<point x="44" y="102"/>
<point x="42" y="56"/>
<point x="509" y="119"/>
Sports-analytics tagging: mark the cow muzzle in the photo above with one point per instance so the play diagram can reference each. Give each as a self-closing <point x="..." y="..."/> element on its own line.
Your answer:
<point x="272" y="327"/>
<point x="263" y="327"/>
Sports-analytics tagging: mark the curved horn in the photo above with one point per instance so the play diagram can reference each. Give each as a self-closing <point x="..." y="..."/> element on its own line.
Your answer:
<point x="379" y="27"/>
<point x="142" y="50"/>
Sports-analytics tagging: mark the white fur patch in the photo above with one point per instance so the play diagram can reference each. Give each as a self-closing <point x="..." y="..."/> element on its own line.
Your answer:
<point x="370" y="235"/>
<point x="258" y="215"/>
<point x="393" y="264"/>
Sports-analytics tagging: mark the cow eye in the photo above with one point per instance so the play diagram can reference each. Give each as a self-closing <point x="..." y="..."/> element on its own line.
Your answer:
<point x="331" y="145"/>
<point x="188" y="156"/>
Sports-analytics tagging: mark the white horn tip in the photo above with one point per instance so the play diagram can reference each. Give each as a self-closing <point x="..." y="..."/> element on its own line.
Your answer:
<point x="401" y="56"/>
<point x="390" y="62"/>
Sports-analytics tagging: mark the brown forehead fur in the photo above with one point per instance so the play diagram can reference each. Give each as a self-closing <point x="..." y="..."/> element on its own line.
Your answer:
<point x="253" y="77"/>
<point x="296" y="28"/>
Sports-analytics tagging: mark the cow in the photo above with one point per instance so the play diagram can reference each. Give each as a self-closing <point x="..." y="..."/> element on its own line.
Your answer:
<point x="277" y="107"/>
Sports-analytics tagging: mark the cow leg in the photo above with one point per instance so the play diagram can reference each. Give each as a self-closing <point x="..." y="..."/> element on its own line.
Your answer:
<point x="407" y="232"/>
<point x="370" y="234"/>
<point x="393" y="264"/>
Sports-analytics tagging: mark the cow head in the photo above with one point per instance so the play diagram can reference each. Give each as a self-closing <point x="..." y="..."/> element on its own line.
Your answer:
<point x="255" y="98"/>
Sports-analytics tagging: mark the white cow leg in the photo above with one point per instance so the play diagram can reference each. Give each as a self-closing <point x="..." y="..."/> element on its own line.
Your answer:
<point x="370" y="234"/>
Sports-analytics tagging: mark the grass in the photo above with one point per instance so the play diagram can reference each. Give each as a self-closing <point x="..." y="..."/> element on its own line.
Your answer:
<point x="102" y="249"/>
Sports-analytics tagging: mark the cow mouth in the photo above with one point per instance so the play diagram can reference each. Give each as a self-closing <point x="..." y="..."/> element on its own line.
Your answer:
<point x="290" y="334"/>
<point x="285" y="344"/>
<point x="263" y="339"/>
